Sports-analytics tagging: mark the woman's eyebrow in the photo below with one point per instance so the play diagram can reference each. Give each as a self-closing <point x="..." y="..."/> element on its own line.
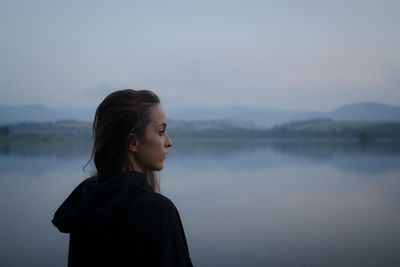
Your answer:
<point x="163" y="124"/>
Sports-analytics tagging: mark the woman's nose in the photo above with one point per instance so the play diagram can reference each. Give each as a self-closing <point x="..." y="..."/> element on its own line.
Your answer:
<point x="169" y="141"/>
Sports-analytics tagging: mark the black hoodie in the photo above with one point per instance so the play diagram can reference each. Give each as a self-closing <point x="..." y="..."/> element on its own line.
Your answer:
<point x="122" y="222"/>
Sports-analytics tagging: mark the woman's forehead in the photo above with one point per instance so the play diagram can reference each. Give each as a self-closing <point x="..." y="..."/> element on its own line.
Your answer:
<point x="158" y="116"/>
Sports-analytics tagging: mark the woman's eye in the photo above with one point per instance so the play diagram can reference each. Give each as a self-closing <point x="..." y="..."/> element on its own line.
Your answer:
<point x="162" y="132"/>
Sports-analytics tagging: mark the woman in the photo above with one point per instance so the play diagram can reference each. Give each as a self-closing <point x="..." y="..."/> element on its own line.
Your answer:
<point x="117" y="217"/>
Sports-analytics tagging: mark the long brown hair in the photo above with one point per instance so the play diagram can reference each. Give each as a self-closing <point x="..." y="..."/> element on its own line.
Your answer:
<point x="121" y="113"/>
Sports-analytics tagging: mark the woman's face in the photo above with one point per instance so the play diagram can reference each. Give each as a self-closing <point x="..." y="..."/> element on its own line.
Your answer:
<point x="150" y="152"/>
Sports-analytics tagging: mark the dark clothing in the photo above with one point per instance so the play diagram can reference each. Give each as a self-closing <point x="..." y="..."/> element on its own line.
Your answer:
<point x="122" y="222"/>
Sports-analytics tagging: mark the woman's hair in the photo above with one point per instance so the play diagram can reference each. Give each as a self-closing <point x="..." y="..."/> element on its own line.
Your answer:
<point x="121" y="114"/>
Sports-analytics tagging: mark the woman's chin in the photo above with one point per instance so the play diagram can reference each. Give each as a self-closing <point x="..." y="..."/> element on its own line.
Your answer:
<point x="158" y="167"/>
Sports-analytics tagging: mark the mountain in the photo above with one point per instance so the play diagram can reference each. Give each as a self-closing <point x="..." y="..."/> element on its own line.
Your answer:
<point x="254" y="117"/>
<point x="247" y="117"/>
<point x="368" y="111"/>
<point x="39" y="113"/>
<point x="316" y="128"/>
<point x="270" y="117"/>
<point x="264" y="117"/>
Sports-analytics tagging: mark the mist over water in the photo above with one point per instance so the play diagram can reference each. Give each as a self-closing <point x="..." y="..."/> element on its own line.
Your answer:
<point x="242" y="202"/>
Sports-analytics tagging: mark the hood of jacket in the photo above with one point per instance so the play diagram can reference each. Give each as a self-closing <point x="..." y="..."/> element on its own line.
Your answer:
<point x="91" y="204"/>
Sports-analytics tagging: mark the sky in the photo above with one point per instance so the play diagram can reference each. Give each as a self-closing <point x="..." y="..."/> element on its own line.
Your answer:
<point x="293" y="55"/>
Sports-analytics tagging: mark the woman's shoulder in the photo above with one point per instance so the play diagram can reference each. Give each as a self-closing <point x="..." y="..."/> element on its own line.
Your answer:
<point x="151" y="204"/>
<point x="163" y="202"/>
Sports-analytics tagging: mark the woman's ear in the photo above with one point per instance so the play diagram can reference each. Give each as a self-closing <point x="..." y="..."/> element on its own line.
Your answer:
<point x="132" y="143"/>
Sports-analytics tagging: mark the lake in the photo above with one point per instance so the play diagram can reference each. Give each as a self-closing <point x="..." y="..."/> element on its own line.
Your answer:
<point x="242" y="202"/>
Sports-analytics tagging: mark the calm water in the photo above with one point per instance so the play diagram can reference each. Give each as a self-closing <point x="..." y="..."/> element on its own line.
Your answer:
<point x="242" y="202"/>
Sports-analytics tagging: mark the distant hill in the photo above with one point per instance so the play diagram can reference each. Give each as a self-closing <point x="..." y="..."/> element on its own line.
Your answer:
<point x="328" y="128"/>
<point x="39" y="113"/>
<point x="254" y="117"/>
<point x="316" y="128"/>
<point x="65" y="128"/>
<point x="368" y="111"/>
<point x="247" y="117"/>
<point x="264" y="117"/>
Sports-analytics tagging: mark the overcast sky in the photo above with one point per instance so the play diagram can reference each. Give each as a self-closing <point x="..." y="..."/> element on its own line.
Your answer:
<point x="314" y="55"/>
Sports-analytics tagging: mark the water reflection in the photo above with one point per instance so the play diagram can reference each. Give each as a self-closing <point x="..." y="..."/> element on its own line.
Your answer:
<point x="349" y="155"/>
<point x="215" y="147"/>
<point x="242" y="202"/>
